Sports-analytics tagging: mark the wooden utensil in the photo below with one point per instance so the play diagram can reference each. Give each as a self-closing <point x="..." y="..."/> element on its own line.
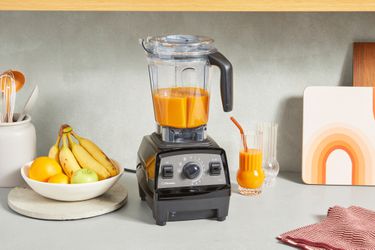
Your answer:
<point x="8" y="87"/>
<point x="11" y="82"/>
<point x="364" y="64"/>
<point x="18" y="77"/>
<point x="2" y="103"/>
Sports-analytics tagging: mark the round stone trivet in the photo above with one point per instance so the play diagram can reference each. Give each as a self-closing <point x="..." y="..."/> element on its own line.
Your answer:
<point x="26" y="202"/>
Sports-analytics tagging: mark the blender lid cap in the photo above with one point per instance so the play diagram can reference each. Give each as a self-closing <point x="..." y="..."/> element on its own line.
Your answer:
<point x="178" y="45"/>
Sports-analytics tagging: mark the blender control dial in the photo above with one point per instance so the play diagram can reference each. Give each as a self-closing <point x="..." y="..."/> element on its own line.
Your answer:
<point x="191" y="170"/>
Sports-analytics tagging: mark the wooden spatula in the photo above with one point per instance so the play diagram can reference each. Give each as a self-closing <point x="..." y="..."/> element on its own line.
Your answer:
<point x="364" y="64"/>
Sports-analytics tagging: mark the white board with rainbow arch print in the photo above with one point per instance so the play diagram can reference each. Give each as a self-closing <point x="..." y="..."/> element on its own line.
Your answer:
<point x="339" y="136"/>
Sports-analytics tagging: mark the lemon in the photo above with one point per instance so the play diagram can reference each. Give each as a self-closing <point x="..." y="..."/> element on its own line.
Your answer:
<point x="59" y="179"/>
<point x="44" y="168"/>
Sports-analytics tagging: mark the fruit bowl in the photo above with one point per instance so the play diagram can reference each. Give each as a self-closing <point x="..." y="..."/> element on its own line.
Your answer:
<point x="70" y="192"/>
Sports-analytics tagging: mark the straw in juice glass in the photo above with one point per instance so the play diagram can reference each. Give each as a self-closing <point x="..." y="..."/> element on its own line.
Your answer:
<point x="238" y="125"/>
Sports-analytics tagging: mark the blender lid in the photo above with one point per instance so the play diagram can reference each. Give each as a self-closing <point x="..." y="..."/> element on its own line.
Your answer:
<point x="178" y="45"/>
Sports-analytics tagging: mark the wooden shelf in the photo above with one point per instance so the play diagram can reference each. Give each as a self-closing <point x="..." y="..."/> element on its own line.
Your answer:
<point x="189" y="5"/>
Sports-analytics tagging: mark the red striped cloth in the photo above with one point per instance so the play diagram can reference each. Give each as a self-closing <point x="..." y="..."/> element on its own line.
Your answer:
<point x="350" y="228"/>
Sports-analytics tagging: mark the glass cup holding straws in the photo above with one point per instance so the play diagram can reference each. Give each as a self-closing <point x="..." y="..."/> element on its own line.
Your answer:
<point x="271" y="166"/>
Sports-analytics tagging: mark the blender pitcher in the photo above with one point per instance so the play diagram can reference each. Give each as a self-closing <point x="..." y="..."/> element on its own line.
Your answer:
<point x="179" y="71"/>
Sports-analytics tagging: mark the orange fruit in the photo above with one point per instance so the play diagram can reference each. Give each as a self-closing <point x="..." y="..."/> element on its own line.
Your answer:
<point x="44" y="168"/>
<point x="59" y="179"/>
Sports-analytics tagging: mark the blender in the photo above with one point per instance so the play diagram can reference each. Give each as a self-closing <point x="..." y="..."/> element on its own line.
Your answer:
<point x="182" y="172"/>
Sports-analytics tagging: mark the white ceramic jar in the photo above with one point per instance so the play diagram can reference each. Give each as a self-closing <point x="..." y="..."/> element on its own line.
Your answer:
<point x="17" y="147"/>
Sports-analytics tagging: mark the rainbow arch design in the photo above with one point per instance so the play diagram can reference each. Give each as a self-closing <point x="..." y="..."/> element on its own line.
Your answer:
<point x="345" y="139"/>
<point x="340" y="136"/>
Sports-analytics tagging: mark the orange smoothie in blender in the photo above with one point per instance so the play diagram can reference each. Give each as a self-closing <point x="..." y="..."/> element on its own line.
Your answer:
<point x="181" y="107"/>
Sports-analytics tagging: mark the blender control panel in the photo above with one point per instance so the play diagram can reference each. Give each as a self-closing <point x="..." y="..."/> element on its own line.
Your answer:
<point x="194" y="169"/>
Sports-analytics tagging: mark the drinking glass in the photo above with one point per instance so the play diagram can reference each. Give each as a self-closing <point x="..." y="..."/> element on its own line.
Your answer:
<point x="250" y="175"/>
<point x="270" y="164"/>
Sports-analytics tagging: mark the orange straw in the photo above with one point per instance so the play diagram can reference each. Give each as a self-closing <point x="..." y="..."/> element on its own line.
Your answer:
<point x="241" y="132"/>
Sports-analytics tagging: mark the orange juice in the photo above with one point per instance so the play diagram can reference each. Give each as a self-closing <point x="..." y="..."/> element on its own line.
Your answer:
<point x="181" y="107"/>
<point x="250" y="174"/>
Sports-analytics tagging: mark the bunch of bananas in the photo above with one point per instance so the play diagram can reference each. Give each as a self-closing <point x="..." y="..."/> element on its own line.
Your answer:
<point x="82" y="153"/>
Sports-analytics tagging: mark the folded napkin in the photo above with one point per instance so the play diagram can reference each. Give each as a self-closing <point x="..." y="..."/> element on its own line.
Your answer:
<point x="342" y="229"/>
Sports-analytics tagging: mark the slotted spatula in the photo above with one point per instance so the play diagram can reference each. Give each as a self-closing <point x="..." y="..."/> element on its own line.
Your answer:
<point x="29" y="104"/>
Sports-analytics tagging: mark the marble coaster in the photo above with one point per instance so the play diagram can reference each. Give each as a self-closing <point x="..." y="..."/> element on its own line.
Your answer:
<point x="26" y="202"/>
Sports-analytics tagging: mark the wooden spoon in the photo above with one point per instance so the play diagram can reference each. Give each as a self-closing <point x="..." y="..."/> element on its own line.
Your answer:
<point x="18" y="77"/>
<point x="11" y="82"/>
<point x="8" y="92"/>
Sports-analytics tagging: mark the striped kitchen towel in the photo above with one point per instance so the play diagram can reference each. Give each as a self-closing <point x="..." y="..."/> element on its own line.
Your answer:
<point x="343" y="229"/>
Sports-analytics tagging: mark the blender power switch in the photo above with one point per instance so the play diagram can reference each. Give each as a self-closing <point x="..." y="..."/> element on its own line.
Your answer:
<point x="167" y="171"/>
<point x="215" y="168"/>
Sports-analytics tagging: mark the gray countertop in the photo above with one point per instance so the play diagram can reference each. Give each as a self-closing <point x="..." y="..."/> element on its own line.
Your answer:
<point x="252" y="223"/>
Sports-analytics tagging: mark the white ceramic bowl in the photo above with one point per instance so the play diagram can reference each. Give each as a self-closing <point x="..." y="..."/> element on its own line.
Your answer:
<point x="70" y="192"/>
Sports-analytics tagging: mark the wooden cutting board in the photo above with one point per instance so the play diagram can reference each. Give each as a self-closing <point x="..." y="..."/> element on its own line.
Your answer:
<point x="26" y="202"/>
<point x="364" y="64"/>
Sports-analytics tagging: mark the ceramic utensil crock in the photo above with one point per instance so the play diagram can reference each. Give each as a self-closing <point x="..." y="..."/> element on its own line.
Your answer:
<point x="17" y="147"/>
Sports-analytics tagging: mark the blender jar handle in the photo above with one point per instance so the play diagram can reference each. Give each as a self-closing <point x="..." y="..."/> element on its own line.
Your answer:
<point x="226" y="79"/>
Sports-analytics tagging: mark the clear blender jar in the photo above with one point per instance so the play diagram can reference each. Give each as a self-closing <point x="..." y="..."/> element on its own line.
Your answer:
<point x="179" y="74"/>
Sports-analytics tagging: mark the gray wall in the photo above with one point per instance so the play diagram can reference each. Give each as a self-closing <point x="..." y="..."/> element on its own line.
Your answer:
<point x="92" y="72"/>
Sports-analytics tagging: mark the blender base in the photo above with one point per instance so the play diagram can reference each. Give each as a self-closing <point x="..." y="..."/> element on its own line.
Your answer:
<point x="209" y="199"/>
<point x="214" y="205"/>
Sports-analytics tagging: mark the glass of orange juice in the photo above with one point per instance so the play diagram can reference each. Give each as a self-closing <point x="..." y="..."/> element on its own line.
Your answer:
<point x="250" y="175"/>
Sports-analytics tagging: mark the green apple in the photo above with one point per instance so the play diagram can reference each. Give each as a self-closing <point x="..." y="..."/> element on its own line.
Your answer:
<point x="84" y="175"/>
